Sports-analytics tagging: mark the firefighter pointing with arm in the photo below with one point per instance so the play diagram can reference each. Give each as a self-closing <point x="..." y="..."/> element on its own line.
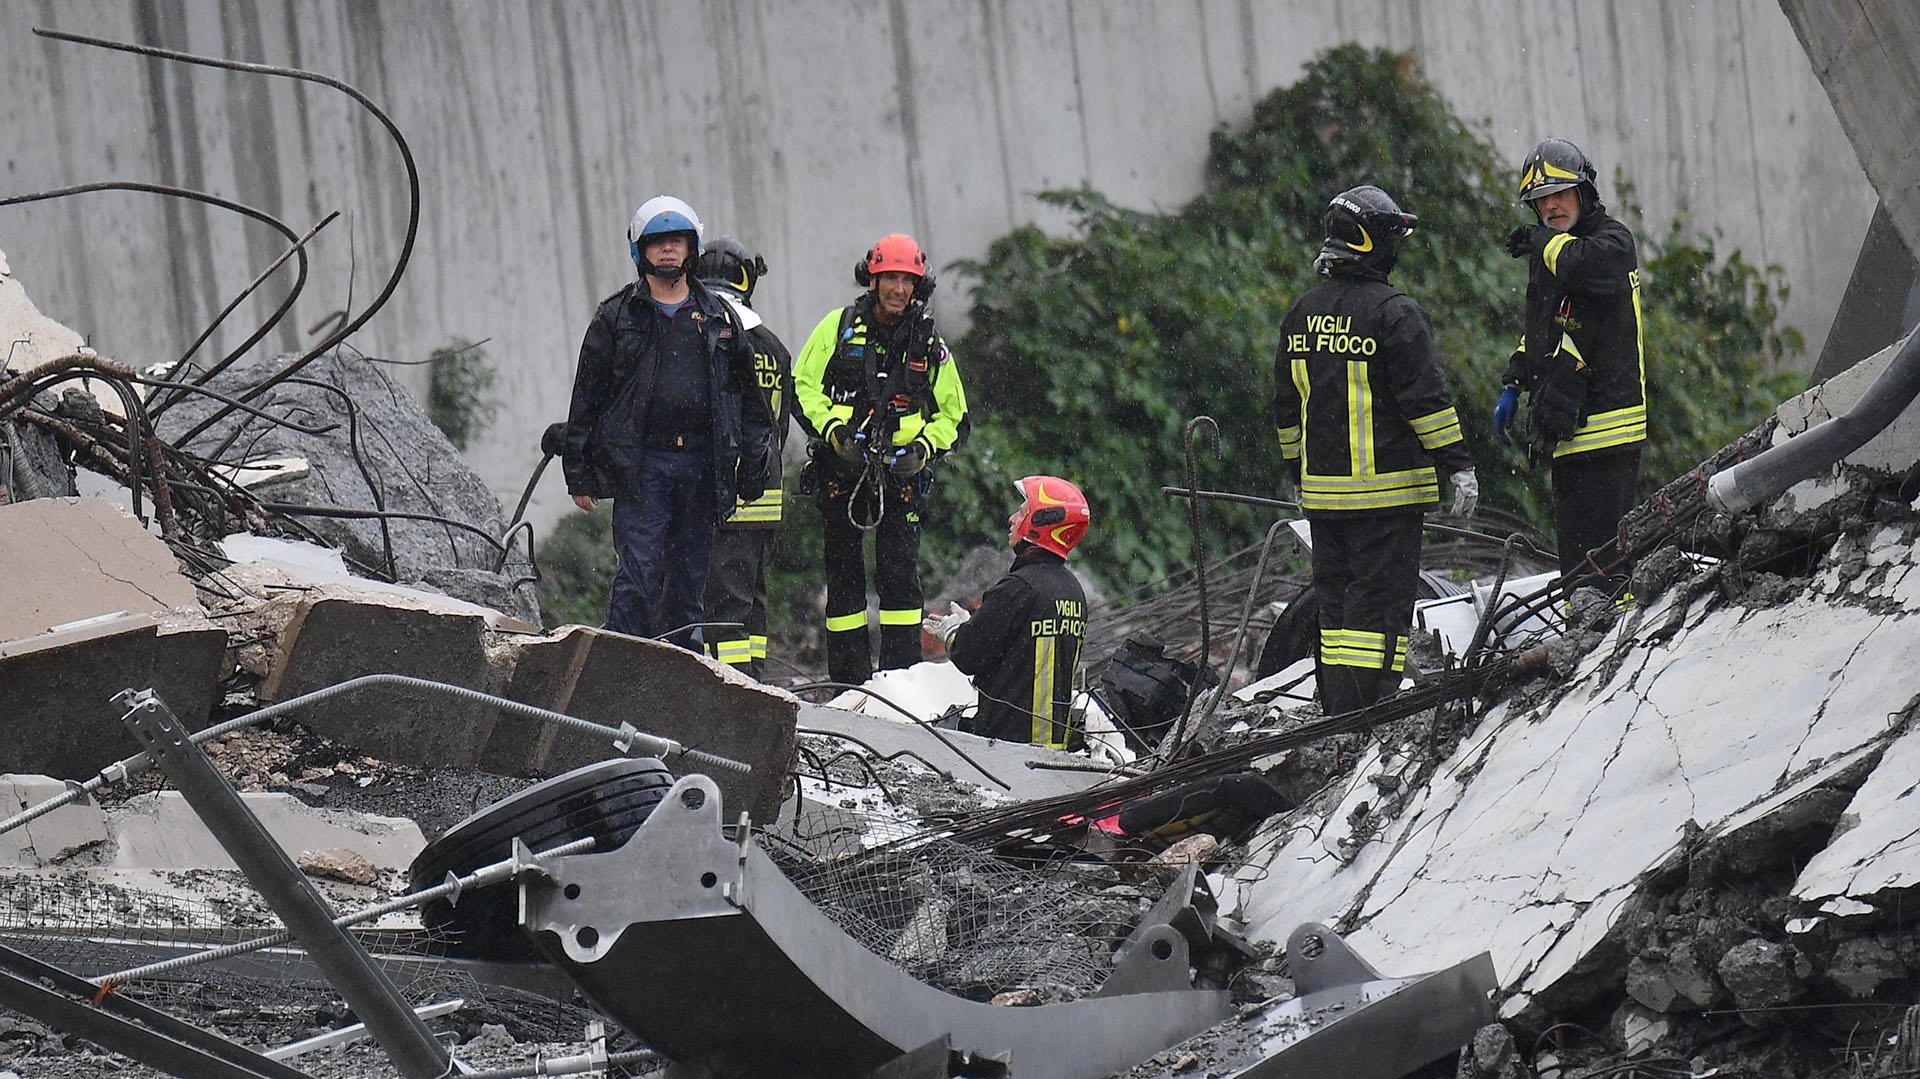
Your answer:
<point x="1366" y="428"/>
<point x="1581" y="361"/>
<point x="1022" y="646"/>
<point x="880" y="396"/>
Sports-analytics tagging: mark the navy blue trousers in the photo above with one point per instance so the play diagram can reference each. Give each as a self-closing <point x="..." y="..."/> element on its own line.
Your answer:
<point x="663" y="533"/>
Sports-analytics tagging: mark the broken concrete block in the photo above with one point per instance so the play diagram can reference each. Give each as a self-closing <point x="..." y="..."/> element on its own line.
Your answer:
<point x="339" y="633"/>
<point x="70" y="559"/>
<point x="338" y="863"/>
<point x="611" y="678"/>
<point x="1861" y="966"/>
<point x="1759" y="974"/>
<point x="1678" y="982"/>
<point x="52" y="838"/>
<point x="60" y="719"/>
<point x="1197" y="847"/>
<point x="162" y="830"/>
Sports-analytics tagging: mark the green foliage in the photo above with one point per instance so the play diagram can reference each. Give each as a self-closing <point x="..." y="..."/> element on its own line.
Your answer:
<point x="458" y="391"/>
<point x="1089" y="352"/>
<point x="576" y="568"/>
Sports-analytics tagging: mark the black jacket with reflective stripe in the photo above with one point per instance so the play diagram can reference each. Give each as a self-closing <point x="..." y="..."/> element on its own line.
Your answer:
<point x="1359" y="402"/>
<point x="1582" y="337"/>
<point x="1022" y="647"/>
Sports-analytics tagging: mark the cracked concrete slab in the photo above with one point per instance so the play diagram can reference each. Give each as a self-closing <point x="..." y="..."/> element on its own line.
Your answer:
<point x="338" y="632"/>
<point x="70" y="559"/>
<point x="1009" y="761"/>
<point x="60" y="718"/>
<point x="1537" y="832"/>
<point x="611" y="678"/>
<point x="160" y="831"/>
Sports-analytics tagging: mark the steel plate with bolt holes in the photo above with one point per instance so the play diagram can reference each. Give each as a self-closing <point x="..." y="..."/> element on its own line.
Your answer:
<point x="703" y="948"/>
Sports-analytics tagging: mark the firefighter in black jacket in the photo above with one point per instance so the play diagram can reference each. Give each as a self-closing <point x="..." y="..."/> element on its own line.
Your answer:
<point x="1364" y="417"/>
<point x="1022" y="646"/>
<point x="1581" y="361"/>
<point x="737" y="580"/>
<point x="665" y="422"/>
<point x="880" y="396"/>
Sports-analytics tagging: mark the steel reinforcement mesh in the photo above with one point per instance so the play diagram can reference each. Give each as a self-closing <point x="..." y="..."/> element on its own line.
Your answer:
<point x="967" y="921"/>
<point x="92" y="928"/>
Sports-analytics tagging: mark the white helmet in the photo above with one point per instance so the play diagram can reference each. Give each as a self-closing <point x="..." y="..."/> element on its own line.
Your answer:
<point x="663" y="215"/>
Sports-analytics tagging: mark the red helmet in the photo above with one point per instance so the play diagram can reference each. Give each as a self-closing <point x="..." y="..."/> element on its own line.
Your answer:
<point x="896" y="253"/>
<point x="1053" y="514"/>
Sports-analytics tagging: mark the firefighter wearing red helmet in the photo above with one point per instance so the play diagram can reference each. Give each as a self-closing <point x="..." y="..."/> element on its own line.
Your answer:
<point x="1022" y="647"/>
<point x="880" y="397"/>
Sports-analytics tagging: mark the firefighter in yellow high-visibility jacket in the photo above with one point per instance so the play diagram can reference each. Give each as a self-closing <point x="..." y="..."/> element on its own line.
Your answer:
<point x="880" y="396"/>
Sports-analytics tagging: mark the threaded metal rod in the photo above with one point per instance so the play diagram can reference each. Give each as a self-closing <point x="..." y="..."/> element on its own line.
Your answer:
<point x="624" y="737"/>
<point x="485" y="875"/>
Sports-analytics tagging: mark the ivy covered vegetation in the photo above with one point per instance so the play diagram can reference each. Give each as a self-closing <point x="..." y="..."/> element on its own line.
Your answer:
<point x="1090" y="351"/>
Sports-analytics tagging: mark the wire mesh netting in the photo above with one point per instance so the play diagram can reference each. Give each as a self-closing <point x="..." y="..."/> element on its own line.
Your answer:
<point x="94" y="928"/>
<point x="966" y="920"/>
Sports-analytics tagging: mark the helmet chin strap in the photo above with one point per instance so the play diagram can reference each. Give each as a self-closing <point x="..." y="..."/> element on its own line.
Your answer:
<point x="665" y="273"/>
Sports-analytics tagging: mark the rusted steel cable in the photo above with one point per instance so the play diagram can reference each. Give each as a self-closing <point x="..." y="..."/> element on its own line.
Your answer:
<point x="406" y="156"/>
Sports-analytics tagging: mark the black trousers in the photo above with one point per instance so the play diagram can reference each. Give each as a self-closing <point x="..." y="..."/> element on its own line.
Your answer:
<point x="1366" y="572"/>
<point x="737" y="592"/>
<point x="896" y="569"/>
<point x="1591" y="492"/>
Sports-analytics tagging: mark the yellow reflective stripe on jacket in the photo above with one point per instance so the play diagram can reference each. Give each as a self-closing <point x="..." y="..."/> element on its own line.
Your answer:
<point x="844" y="623"/>
<point x="1399" y="654"/>
<point x="1292" y="441"/>
<point x="758" y="644"/>
<point x="1437" y="429"/>
<point x="1385" y="490"/>
<point x="1043" y="664"/>
<point x="1353" y="648"/>
<point x="1551" y="256"/>
<point x="907" y="616"/>
<point x="735" y="652"/>
<point x="1360" y="418"/>
<point x="1620" y="427"/>
<point x="762" y="510"/>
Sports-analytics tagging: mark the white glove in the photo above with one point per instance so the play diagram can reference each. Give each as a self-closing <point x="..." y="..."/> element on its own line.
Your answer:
<point x="944" y="626"/>
<point x="1466" y="493"/>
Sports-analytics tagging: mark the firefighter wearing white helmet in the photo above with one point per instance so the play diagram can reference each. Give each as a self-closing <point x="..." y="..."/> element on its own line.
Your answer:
<point x="667" y="421"/>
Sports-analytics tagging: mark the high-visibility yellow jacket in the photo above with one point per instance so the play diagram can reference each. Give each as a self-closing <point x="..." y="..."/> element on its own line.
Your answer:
<point x="900" y="380"/>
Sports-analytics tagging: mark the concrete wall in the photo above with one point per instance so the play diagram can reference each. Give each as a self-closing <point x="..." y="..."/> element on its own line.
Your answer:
<point x="809" y="128"/>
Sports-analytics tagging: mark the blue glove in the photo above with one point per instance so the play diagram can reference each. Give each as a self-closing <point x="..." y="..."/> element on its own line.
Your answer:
<point x="1503" y="412"/>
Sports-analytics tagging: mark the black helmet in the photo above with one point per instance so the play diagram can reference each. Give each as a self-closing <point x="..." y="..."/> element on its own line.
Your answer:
<point x="1556" y="165"/>
<point x="1364" y="226"/>
<point x="727" y="262"/>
